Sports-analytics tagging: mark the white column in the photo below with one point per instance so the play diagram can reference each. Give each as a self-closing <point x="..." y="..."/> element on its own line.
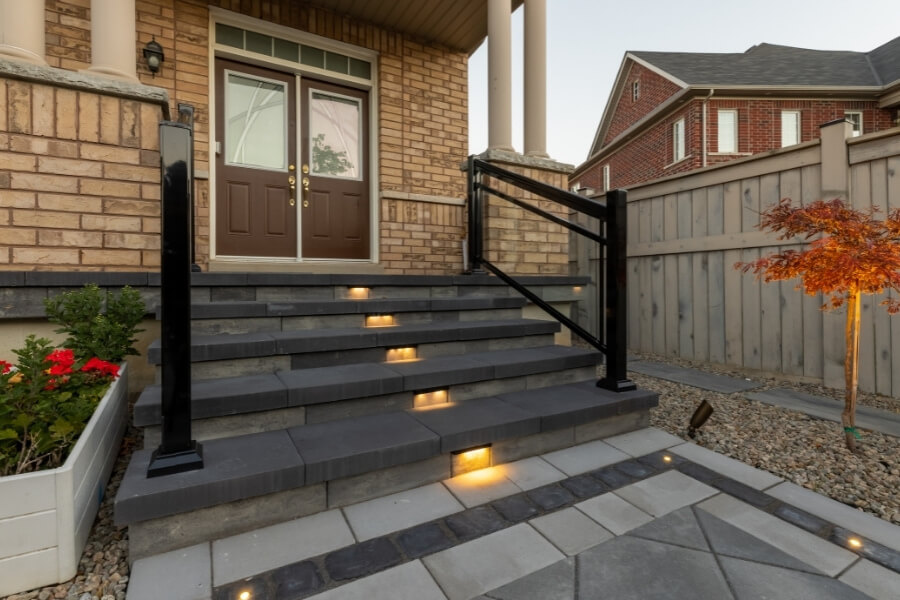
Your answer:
<point x="535" y="62"/>
<point x="499" y="76"/>
<point x="22" y="27"/>
<point x="114" y="39"/>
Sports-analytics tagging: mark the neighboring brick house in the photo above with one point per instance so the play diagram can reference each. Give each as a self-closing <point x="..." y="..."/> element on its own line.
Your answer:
<point x="671" y="112"/>
<point x="370" y="97"/>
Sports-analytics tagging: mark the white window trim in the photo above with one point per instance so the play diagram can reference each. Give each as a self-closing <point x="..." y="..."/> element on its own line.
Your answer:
<point x="635" y="90"/>
<point x="862" y="129"/>
<point x="734" y="131"/>
<point x="678" y="141"/>
<point x="799" y="129"/>
<point x="605" y="178"/>
<point x="226" y="17"/>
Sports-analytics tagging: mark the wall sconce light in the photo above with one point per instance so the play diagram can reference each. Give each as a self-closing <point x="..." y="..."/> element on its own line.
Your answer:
<point x="153" y="54"/>
<point x="699" y="418"/>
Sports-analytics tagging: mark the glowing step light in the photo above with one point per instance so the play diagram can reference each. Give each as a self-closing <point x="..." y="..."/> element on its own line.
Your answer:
<point x="399" y="354"/>
<point x="380" y="321"/>
<point x="473" y="459"/>
<point x="358" y="293"/>
<point x="431" y="399"/>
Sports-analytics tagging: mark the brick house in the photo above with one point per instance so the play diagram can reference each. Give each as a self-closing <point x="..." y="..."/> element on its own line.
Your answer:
<point x="364" y="103"/>
<point x="672" y="112"/>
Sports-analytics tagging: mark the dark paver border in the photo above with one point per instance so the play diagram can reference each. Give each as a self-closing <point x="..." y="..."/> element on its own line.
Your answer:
<point x="328" y="571"/>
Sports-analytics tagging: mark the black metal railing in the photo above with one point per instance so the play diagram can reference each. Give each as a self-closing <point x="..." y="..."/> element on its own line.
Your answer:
<point x="611" y="236"/>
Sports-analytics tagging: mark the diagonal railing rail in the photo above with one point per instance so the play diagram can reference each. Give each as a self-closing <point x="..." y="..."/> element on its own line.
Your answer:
<point x="611" y="236"/>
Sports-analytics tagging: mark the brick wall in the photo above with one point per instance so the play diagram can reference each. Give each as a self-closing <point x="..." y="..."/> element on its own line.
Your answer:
<point x="649" y="155"/>
<point x="421" y="238"/>
<point x="79" y="180"/>
<point x="654" y="90"/>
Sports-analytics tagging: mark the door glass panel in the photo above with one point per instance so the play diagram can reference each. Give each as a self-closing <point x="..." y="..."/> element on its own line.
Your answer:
<point x="255" y="122"/>
<point x="334" y="135"/>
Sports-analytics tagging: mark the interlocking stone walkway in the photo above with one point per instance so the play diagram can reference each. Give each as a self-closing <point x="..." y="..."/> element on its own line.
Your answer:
<point x="641" y="515"/>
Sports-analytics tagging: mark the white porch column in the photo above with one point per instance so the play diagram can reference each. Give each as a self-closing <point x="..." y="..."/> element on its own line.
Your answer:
<point x="22" y="30"/>
<point x="535" y="62"/>
<point x="113" y="39"/>
<point x="499" y="76"/>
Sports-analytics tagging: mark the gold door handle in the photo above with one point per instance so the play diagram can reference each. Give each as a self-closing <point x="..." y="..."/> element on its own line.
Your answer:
<point x="292" y="181"/>
<point x="305" y="182"/>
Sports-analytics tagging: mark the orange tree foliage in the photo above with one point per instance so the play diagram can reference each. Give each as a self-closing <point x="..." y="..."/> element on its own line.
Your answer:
<point x="857" y="253"/>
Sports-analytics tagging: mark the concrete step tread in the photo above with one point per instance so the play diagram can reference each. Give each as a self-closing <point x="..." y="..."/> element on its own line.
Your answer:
<point x="255" y="308"/>
<point x="246" y="345"/>
<point x="237" y="395"/>
<point x="256" y="464"/>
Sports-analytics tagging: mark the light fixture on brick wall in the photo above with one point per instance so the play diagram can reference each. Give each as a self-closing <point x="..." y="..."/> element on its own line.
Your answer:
<point x="153" y="54"/>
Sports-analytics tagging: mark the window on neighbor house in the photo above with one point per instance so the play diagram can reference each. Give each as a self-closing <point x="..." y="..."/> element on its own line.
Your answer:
<point x="790" y="127"/>
<point x="856" y="119"/>
<point x="727" y="137"/>
<point x="635" y="90"/>
<point x="678" y="140"/>
<point x="605" y="178"/>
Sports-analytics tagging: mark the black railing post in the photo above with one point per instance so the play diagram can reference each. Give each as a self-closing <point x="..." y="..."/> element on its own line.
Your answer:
<point x="177" y="452"/>
<point x="476" y="219"/>
<point x="615" y="313"/>
<point x="186" y="116"/>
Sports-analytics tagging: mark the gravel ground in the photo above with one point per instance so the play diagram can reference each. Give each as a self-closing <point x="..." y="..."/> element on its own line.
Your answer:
<point x="807" y="451"/>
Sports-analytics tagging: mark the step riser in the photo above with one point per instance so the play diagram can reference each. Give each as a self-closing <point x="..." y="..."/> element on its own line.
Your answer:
<point x="201" y="294"/>
<point x="319" y="322"/>
<point x="271" y="364"/>
<point x="155" y="536"/>
<point x="271" y="420"/>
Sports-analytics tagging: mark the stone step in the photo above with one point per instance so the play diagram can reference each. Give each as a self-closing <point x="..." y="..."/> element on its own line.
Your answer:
<point x="224" y="355"/>
<point x="209" y="318"/>
<point x="265" y="478"/>
<point x="236" y="405"/>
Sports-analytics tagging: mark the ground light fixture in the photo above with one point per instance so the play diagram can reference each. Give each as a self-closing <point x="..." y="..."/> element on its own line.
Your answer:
<point x="245" y="595"/>
<point x="854" y="543"/>
<point x="699" y="418"/>
<point x="153" y="54"/>
<point x="471" y="459"/>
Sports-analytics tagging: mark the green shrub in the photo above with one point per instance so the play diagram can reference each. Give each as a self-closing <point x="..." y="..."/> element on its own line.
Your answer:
<point x="92" y="332"/>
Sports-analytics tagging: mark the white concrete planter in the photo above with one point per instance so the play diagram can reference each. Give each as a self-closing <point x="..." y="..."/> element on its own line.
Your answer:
<point x="45" y="517"/>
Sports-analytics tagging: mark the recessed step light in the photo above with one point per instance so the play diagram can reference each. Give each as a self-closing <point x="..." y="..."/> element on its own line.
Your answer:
<point x="473" y="459"/>
<point x="380" y="321"/>
<point x="358" y="293"/>
<point x="400" y="354"/>
<point x="431" y="399"/>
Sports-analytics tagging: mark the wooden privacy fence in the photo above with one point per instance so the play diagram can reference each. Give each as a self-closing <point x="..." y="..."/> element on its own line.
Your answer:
<point x="685" y="234"/>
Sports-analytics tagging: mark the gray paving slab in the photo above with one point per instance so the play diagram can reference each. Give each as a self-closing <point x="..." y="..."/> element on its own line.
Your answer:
<point x="735" y="469"/>
<point x="398" y="511"/>
<point x="571" y="530"/>
<point x="530" y="473"/>
<point x="665" y="492"/>
<point x="812" y="550"/>
<point x="409" y="581"/>
<point x="692" y="377"/>
<point x="840" y="514"/>
<point x="257" y="551"/>
<point x="753" y="580"/>
<point x="867" y="417"/>
<point x="584" y="457"/>
<point x="679" y="527"/>
<point x="186" y="574"/>
<point x="479" y="487"/>
<point x="643" y="441"/>
<point x="556" y="582"/>
<point x="629" y="568"/>
<point x="872" y="579"/>
<point x="492" y="561"/>
<point x="614" y="513"/>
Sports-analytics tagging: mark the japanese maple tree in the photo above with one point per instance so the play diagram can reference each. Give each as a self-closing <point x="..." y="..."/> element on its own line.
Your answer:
<point x="850" y="253"/>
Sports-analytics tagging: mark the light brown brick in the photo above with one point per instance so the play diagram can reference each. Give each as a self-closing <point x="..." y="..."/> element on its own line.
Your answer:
<point x="66" y="114"/>
<point x="46" y="183"/>
<point x="150" y="117"/>
<point x="102" y="187"/>
<point x="44" y="218"/>
<point x="131" y="124"/>
<point x="151" y="191"/>
<point x="110" y="223"/>
<point x="109" y="120"/>
<point x="111" y="257"/>
<point x="19" y="102"/>
<point x="100" y="152"/>
<point x="67" y="166"/>
<point x="75" y="239"/>
<point x="131" y="207"/>
<point x="131" y="173"/>
<point x="17" y="162"/>
<point x="43" y="110"/>
<point x="16" y="199"/>
<point x="45" y="256"/>
<point x="79" y="204"/>
<point x="3" y="110"/>
<point x="132" y="241"/>
<point x="88" y="117"/>
<point x="17" y="236"/>
<point x="150" y="225"/>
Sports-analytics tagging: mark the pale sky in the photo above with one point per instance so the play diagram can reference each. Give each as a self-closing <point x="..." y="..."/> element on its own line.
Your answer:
<point x="586" y="40"/>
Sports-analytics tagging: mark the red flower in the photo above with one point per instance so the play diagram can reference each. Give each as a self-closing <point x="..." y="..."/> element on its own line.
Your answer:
<point x="101" y="366"/>
<point x="65" y="358"/>
<point x="5" y="366"/>
<point x="59" y="369"/>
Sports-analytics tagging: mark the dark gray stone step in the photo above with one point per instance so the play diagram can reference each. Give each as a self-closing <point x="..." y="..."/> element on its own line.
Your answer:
<point x="303" y="387"/>
<point x="258" y="464"/>
<point x="250" y="345"/>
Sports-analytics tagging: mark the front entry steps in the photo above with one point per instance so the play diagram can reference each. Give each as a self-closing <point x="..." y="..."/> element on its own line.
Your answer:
<point x="299" y="408"/>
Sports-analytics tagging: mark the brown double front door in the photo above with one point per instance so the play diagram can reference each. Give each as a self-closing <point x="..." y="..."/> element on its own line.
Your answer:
<point x="263" y="191"/>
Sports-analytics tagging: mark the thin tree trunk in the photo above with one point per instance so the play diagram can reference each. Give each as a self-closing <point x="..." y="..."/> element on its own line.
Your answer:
<point x="851" y="368"/>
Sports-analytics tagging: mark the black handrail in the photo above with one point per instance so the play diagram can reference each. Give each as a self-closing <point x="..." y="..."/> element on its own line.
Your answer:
<point x="611" y="292"/>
